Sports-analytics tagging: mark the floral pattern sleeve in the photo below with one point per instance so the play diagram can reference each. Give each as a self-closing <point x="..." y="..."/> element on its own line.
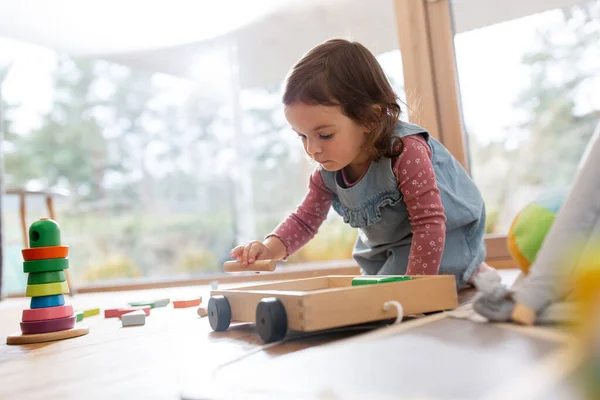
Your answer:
<point x="417" y="183"/>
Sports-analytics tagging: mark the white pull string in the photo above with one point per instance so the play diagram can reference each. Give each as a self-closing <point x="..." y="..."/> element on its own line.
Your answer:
<point x="400" y="311"/>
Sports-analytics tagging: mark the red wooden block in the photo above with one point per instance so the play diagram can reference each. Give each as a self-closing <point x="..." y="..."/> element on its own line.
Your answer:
<point x="117" y="312"/>
<point x="51" y="325"/>
<point x="187" y="303"/>
<point x="43" y="314"/>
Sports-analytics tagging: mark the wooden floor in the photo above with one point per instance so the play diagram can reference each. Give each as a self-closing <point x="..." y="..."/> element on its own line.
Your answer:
<point x="175" y="353"/>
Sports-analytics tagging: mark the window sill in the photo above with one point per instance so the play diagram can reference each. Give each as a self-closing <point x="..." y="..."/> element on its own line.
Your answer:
<point x="497" y="256"/>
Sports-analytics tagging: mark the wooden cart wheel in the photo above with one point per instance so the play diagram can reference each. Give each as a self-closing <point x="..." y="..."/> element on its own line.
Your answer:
<point x="271" y="319"/>
<point x="219" y="313"/>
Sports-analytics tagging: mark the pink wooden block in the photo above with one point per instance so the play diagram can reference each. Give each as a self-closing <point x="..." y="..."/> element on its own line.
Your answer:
<point x="117" y="312"/>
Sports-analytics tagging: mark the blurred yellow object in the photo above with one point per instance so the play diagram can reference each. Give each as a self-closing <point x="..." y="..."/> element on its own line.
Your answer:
<point x="587" y="292"/>
<point x="587" y="296"/>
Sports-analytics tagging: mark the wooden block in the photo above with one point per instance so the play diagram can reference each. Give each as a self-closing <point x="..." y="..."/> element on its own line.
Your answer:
<point x="151" y="303"/>
<point x="257" y="266"/>
<point x="19" y="338"/>
<point x="47" y="301"/>
<point x="134" y="318"/>
<point x="523" y="315"/>
<point x="202" y="312"/>
<point x="372" y="280"/>
<point x="51" y="325"/>
<point x="90" y="312"/>
<point x="47" y="289"/>
<point x="160" y="303"/>
<point x="117" y="312"/>
<point x="42" y="253"/>
<point x="78" y="315"/>
<point x="42" y="314"/>
<point x="187" y="303"/>
<point x="46" y="277"/>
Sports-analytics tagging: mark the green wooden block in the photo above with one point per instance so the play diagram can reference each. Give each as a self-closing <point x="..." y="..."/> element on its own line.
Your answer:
<point x="373" y="280"/>
<point x="79" y="315"/>
<point x="44" y="233"/>
<point x="151" y="304"/>
<point x="46" y="277"/>
<point x="46" y="265"/>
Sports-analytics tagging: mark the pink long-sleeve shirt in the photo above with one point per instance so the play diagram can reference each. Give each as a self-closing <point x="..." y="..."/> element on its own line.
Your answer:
<point x="416" y="181"/>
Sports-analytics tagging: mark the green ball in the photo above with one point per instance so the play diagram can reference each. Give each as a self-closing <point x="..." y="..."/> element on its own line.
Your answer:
<point x="531" y="225"/>
<point x="44" y="233"/>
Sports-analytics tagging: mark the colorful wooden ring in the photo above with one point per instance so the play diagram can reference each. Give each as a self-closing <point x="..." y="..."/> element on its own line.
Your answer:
<point x="51" y="325"/>
<point x="47" y="301"/>
<point x="42" y="314"/>
<point x="47" y="289"/>
<point x="46" y="277"/>
<point x="42" y="253"/>
<point x="50" y="264"/>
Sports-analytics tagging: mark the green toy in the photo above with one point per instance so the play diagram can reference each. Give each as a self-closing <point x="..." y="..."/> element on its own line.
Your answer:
<point x="46" y="277"/>
<point x="44" y="233"/>
<point x="372" y="280"/>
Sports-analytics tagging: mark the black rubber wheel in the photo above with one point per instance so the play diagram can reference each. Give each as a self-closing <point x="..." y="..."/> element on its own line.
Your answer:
<point x="219" y="313"/>
<point x="271" y="319"/>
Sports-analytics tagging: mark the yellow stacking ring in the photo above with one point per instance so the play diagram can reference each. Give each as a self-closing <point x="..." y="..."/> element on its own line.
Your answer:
<point x="47" y="289"/>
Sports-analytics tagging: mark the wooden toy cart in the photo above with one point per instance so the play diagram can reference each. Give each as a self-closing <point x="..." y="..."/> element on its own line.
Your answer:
<point x="313" y="304"/>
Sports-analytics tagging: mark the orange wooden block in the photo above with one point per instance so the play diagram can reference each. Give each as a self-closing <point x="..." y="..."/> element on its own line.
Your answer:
<point x="42" y="253"/>
<point x="118" y="312"/>
<point x="42" y="314"/>
<point x="187" y="303"/>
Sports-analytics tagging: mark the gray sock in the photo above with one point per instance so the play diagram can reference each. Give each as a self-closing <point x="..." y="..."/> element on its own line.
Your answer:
<point x="494" y="301"/>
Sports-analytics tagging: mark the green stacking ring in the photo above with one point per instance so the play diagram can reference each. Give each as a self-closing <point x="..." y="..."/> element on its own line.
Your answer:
<point x="46" y="277"/>
<point x="49" y="264"/>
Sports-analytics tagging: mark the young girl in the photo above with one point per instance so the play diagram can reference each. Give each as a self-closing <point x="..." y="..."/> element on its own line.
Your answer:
<point x="416" y="209"/>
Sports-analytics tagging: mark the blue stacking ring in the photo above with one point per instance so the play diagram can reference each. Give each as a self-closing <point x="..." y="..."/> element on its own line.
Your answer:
<point x="48" y="301"/>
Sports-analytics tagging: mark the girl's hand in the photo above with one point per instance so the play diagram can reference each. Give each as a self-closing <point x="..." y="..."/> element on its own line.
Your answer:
<point x="250" y="252"/>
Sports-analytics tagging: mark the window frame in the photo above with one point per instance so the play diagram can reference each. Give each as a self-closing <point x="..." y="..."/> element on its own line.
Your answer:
<point x="426" y="37"/>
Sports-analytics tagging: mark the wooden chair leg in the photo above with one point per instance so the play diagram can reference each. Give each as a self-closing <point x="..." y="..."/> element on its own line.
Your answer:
<point x="22" y="212"/>
<point x="50" y="206"/>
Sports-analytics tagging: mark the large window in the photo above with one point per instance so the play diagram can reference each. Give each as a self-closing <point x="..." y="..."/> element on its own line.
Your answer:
<point x="167" y="169"/>
<point x="529" y="90"/>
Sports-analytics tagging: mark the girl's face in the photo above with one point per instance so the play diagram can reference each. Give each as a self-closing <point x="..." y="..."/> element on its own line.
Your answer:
<point x="329" y="137"/>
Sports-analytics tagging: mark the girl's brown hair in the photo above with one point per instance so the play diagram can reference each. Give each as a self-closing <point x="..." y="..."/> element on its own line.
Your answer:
<point x="346" y="74"/>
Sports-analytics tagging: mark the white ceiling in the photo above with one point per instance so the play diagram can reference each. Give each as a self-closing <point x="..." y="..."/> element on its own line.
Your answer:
<point x="268" y="35"/>
<point x="88" y="27"/>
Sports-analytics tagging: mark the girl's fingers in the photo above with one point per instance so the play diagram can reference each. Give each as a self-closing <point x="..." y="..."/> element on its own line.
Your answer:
<point x="255" y="251"/>
<point x="237" y="252"/>
<point x="245" y="254"/>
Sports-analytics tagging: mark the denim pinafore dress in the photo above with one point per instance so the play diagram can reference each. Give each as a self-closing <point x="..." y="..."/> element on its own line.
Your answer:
<point x="375" y="206"/>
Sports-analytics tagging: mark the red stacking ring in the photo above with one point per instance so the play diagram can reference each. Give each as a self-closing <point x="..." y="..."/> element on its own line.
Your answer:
<point x="43" y="253"/>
